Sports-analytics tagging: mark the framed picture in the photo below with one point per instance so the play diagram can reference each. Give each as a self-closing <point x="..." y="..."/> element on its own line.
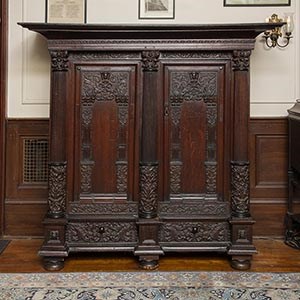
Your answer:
<point x="65" y="11"/>
<point x="156" y="9"/>
<point x="257" y="2"/>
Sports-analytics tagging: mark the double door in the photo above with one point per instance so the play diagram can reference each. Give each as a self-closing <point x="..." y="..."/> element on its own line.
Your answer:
<point x="147" y="154"/>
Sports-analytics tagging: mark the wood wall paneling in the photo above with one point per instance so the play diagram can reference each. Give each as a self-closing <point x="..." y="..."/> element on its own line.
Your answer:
<point x="268" y="145"/>
<point x="25" y="204"/>
<point x="25" y="195"/>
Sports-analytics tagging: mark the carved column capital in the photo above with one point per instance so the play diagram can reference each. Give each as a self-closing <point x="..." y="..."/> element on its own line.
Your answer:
<point x="241" y="60"/>
<point x="59" y="60"/>
<point x="57" y="189"/>
<point x="240" y="198"/>
<point x="150" y="60"/>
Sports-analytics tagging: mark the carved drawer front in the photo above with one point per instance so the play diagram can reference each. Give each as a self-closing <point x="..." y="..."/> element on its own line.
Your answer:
<point x="101" y="232"/>
<point x="195" y="232"/>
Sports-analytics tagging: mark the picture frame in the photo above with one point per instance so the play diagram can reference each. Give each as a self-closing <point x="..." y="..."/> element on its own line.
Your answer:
<point x="156" y="9"/>
<point x="66" y="11"/>
<point x="257" y="2"/>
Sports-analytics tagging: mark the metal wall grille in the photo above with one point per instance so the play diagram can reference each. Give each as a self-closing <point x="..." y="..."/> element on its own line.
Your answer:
<point x="35" y="161"/>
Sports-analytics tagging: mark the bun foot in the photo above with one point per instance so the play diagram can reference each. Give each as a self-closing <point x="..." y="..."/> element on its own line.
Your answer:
<point x="241" y="265"/>
<point x="149" y="264"/>
<point x="53" y="263"/>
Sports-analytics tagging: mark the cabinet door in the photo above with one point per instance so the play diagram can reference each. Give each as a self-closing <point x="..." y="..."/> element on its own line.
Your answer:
<point x="106" y="158"/>
<point x="193" y="154"/>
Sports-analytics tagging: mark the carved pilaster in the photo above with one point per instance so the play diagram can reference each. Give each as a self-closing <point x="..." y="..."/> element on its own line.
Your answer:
<point x="150" y="60"/>
<point x="241" y="60"/>
<point x="57" y="189"/>
<point x="240" y="189"/>
<point x="59" y="60"/>
<point x="148" y="190"/>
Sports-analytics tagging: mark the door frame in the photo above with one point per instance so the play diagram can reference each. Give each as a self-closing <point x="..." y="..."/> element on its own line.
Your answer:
<point x="3" y="81"/>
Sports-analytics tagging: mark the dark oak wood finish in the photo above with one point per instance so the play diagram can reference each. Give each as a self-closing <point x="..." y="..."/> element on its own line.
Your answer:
<point x="116" y="91"/>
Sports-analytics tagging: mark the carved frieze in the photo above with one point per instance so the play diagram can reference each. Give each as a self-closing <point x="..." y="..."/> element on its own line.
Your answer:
<point x="196" y="208"/>
<point x="194" y="232"/>
<point x="240" y="188"/>
<point x="148" y="190"/>
<point x="96" y="56"/>
<point x="241" y="60"/>
<point x="104" y="208"/>
<point x="101" y="232"/>
<point x="196" y="55"/>
<point x="57" y="189"/>
<point x="59" y="60"/>
<point x="150" y="60"/>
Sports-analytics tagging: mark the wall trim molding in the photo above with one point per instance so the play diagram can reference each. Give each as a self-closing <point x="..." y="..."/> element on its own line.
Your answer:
<point x="3" y="72"/>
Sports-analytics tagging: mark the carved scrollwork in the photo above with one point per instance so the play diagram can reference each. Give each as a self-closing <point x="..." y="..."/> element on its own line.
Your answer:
<point x="192" y="86"/>
<point x="211" y="114"/>
<point x="86" y="169"/>
<point x="101" y="232"/>
<point x="57" y="189"/>
<point x="241" y="60"/>
<point x="59" y="60"/>
<point x="197" y="208"/>
<point x="175" y="177"/>
<point x="122" y="174"/>
<point x="240" y="188"/>
<point x="211" y="177"/>
<point x="150" y="60"/>
<point x="104" y="208"/>
<point x="194" y="232"/>
<point x="148" y="190"/>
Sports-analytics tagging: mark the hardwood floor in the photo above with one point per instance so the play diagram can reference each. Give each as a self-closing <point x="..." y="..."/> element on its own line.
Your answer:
<point x="273" y="256"/>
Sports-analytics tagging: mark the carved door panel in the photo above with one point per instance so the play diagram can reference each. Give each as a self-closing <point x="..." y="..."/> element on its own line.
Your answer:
<point x="193" y="131"/>
<point x="106" y="160"/>
<point x="193" y="209"/>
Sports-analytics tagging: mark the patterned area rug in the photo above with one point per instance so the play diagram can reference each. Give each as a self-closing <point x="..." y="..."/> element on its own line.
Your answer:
<point x="150" y="285"/>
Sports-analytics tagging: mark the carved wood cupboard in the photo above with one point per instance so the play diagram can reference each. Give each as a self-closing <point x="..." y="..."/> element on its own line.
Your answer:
<point x="149" y="140"/>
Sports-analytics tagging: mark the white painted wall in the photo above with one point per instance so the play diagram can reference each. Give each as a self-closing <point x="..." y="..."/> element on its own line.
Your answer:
<point x="275" y="73"/>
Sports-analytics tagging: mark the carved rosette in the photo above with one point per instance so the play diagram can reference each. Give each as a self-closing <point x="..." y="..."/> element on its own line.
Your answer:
<point x="86" y="169"/>
<point x="211" y="177"/>
<point x="241" y="60"/>
<point x="59" y="60"/>
<point x="150" y="60"/>
<point x="148" y="190"/>
<point x="57" y="189"/>
<point x="240" y="189"/>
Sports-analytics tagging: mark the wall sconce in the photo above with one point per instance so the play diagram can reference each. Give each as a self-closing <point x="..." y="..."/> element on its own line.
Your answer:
<point x="272" y="36"/>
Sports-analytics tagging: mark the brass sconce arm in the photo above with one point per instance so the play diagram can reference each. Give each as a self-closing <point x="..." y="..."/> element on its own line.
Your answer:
<point x="273" y="37"/>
